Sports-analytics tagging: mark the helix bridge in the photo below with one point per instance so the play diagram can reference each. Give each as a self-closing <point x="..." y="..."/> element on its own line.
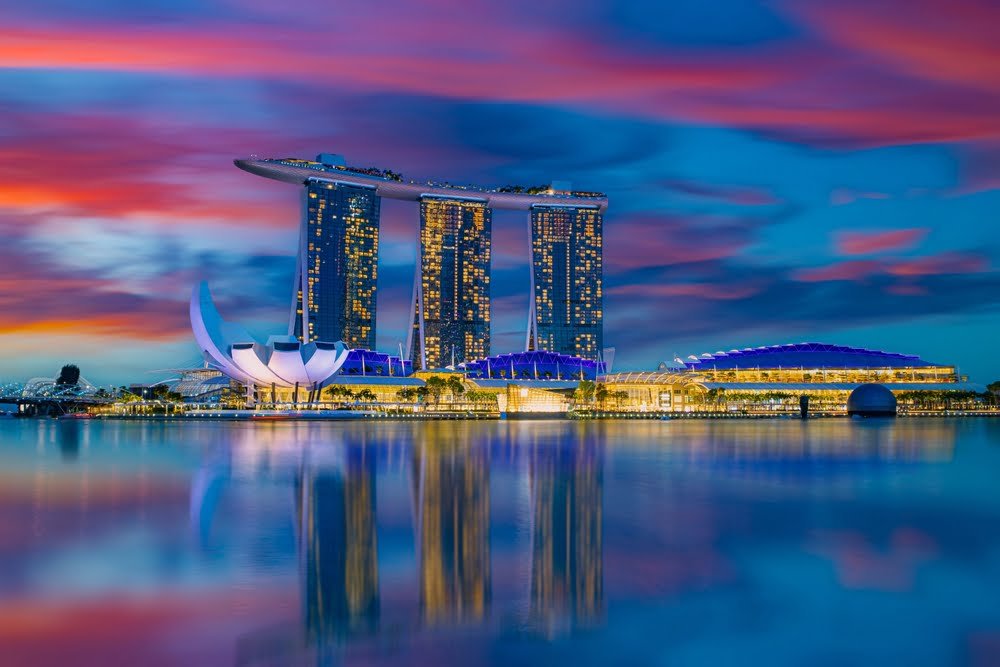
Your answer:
<point x="46" y="396"/>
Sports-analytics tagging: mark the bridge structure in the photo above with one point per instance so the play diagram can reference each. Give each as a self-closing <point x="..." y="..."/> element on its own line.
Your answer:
<point x="44" y="397"/>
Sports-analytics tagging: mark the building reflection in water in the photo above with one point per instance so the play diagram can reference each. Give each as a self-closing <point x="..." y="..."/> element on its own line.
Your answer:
<point x="336" y="518"/>
<point x="69" y="438"/>
<point x="567" y="560"/>
<point x="451" y="486"/>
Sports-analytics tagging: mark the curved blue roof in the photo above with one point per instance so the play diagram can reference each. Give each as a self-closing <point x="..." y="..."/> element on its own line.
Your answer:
<point x="369" y="362"/>
<point x="804" y="355"/>
<point x="536" y="364"/>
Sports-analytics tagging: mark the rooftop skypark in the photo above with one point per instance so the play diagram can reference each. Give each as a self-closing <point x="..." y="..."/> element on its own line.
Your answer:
<point x="333" y="163"/>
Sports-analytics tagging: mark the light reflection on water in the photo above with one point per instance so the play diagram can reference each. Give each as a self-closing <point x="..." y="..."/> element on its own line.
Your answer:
<point x="688" y="542"/>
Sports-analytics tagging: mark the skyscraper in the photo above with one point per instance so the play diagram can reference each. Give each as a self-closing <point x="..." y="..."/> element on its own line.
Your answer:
<point x="451" y="295"/>
<point x="566" y="307"/>
<point x="337" y="265"/>
<point x="334" y="296"/>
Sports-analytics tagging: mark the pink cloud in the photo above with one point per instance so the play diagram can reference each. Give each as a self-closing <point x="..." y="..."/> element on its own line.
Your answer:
<point x="867" y="243"/>
<point x="694" y="290"/>
<point x="909" y="99"/>
<point x="736" y="195"/>
<point x="944" y="263"/>
<point x="644" y="241"/>
<point x="858" y="269"/>
<point x="851" y="270"/>
<point x="952" y="41"/>
<point x="114" y="165"/>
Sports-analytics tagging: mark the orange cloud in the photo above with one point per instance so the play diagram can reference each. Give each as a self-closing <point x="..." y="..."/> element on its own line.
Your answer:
<point x="108" y="165"/>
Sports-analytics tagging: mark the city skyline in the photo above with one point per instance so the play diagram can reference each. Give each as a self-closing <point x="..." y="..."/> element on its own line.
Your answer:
<point x="780" y="173"/>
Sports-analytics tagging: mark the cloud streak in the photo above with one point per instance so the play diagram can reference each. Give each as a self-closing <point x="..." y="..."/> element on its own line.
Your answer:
<point x="867" y="243"/>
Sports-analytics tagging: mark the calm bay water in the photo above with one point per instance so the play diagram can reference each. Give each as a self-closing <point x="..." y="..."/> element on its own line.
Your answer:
<point x="830" y="542"/>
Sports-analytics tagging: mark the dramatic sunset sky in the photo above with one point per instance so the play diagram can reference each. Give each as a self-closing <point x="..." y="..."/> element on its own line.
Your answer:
<point x="777" y="171"/>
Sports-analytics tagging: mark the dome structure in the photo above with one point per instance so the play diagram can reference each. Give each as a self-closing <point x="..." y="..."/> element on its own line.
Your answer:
<point x="281" y="362"/>
<point x="798" y="355"/>
<point x="871" y="400"/>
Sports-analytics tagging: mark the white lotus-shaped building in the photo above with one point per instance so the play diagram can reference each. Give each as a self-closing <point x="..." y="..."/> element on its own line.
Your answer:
<point x="282" y="362"/>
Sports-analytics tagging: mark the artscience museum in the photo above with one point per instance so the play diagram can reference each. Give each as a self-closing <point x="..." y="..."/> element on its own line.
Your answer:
<point x="282" y="367"/>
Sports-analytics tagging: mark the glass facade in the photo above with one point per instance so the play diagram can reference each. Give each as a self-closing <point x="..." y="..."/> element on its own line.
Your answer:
<point x="451" y="322"/>
<point x="567" y="302"/>
<point x="338" y="265"/>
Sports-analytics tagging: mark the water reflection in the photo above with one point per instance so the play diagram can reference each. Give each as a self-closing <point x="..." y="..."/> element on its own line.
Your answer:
<point x="503" y="543"/>
<point x="338" y="545"/>
<point x="451" y="486"/>
<point x="560" y="467"/>
<point x="567" y="559"/>
<point x="69" y="438"/>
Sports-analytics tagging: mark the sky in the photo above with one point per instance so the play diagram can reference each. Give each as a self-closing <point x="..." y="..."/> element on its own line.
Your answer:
<point x="782" y="171"/>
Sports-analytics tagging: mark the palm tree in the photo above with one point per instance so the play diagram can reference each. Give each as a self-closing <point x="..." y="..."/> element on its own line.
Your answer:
<point x="435" y="386"/>
<point x="456" y="386"/>
<point x="601" y="394"/>
<point x="585" y="391"/>
<point x="619" y="396"/>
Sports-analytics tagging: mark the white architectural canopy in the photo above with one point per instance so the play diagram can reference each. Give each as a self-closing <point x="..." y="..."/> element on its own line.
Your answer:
<point x="281" y="362"/>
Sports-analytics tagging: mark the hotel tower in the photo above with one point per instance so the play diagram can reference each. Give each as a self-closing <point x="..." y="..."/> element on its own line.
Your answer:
<point x="335" y="286"/>
<point x="451" y="292"/>
<point x="566" y="307"/>
<point x="337" y="266"/>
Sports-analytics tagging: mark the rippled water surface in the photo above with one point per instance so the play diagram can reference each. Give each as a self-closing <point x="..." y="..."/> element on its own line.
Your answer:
<point x="830" y="542"/>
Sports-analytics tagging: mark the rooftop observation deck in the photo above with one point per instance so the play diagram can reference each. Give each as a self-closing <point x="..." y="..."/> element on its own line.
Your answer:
<point x="391" y="185"/>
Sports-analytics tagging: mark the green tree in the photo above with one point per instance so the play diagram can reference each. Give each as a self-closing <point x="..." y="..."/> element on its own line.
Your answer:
<point x="366" y="396"/>
<point x="68" y="375"/>
<point x="339" y="391"/>
<point x="456" y="386"/>
<point x="619" y="396"/>
<point x="601" y="394"/>
<point x="436" y="386"/>
<point x="585" y="391"/>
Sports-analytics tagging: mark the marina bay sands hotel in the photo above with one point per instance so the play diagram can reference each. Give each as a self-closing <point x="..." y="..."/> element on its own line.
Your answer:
<point x="337" y="262"/>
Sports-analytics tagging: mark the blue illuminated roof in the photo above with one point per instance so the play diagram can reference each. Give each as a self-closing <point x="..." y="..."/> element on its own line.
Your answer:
<point x="536" y="364"/>
<point x="804" y="355"/>
<point x="369" y="362"/>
